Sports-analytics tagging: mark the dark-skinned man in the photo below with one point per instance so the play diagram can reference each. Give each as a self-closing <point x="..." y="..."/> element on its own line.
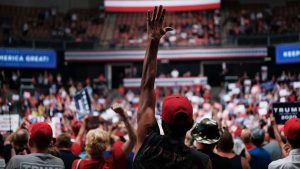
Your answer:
<point x="155" y="151"/>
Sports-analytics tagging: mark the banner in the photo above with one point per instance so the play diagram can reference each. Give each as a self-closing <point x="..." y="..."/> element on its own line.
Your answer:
<point x="170" y="5"/>
<point x="166" y="54"/>
<point x="288" y="53"/>
<point x="284" y="111"/>
<point x="167" y="82"/>
<point x="7" y="124"/>
<point x="83" y="103"/>
<point x="27" y="58"/>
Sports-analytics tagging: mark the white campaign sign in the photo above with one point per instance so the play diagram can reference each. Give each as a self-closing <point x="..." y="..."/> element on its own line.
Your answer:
<point x="5" y="122"/>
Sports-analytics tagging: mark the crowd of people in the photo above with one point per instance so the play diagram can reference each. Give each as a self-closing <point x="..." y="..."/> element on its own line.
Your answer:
<point x="48" y="24"/>
<point x="196" y="28"/>
<point x="263" y="21"/>
<point x="178" y="127"/>
<point x="193" y="28"/>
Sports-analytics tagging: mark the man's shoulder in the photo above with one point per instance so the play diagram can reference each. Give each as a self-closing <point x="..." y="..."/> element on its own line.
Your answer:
<point x="38" y="158"/>
<point x="270" y="145"/>
<point x="258" y="150"/>
<point x="279" y="164"/>
<point x="159" y="150"/>
<point x="198" y="155"/>
<point x="20" y="157"/>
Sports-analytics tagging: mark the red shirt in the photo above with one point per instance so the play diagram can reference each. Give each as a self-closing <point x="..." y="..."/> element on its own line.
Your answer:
<point x="116" y="160"/>
<point x="102" y="163"/>
<point x="88" y="164"/>
<point x="120" y="159"/>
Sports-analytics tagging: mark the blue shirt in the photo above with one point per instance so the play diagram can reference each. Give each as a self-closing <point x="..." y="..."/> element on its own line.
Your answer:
<point x="260" y="158"/>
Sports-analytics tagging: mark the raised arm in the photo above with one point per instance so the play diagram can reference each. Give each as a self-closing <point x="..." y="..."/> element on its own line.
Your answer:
<point x="146" y="113"/>
<point x="128" y="146"/>
<point x="284" y="153"/>
<point x="82" y="131"/>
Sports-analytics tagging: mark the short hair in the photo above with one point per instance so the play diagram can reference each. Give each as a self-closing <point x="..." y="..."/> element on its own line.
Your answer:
<point x="20" y="139"/>
<point x="179" y="127"/>
<point x="225" y="143"/>
<point x="64" y="141"/>
<point x="271" y="132"/>
<point x="246" y="136"/>
<point x="96" y="142"/>
<point x="257" y="141"/>
<point x="294" y="143"/>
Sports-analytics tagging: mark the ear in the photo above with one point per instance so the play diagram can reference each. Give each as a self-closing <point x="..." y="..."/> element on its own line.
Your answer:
<point x="165" y="128"/>
<point x="190" y="125"/>
<point x="30" y="143"/>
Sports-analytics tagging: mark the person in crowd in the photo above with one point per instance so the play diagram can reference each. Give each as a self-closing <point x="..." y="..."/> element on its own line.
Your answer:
<point x="2" y="160"/>
<point x="292" y="133"/>
<point x="97" y="142"/>
<point x="246" y="138"/>
<point x="225" y="149"/>
<point x="152" y="149"/>
<point x="121" y="147"/>
<point x="273" y="147"/>
<point x="260" y="158"/>
<point x="40" y="138"/>
<point x="17" y="142"/>
<point x="64" y="144"/>
<point x="206" y="135"/>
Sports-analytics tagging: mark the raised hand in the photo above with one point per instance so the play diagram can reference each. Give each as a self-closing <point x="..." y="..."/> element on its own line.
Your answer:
<point x="155" y="23"/>
<point x="25" y="124"/>
<point x="118" y="109"/>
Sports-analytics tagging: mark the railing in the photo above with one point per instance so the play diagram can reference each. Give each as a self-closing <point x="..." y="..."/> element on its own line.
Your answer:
<point x="267" y="39"/>
<point x="56" y="44"/>
<point x="242" y="40"/>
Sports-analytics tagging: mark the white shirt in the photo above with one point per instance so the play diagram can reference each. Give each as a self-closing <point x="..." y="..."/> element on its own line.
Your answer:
<point x="292" y="161"/>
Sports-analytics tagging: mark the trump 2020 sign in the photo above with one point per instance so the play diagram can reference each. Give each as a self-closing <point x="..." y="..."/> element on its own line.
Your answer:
<point x="284" y="111"/>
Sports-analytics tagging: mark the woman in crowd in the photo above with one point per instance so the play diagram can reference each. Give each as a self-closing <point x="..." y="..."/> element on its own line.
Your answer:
<point x="97" y="142"/>
<point x="225" y="149"/>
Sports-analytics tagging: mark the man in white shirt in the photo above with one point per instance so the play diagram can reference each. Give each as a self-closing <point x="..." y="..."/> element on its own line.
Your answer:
<point x="292" y="133"/>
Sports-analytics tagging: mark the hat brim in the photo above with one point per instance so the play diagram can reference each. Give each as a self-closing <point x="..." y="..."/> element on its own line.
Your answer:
<point x="205" y="140"/>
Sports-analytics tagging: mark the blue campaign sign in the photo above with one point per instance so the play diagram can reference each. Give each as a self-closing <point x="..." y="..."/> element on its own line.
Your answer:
<point x="284" y="111"/>
<point x="83" y="103"/>
<point x="27" y="58"/>
<point x="288" y="53"/>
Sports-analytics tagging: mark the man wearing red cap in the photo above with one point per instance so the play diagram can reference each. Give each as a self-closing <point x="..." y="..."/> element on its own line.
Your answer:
<point x="40" y="138"/>
<point x="154" y="151"/>
<point x="292" y="133"/>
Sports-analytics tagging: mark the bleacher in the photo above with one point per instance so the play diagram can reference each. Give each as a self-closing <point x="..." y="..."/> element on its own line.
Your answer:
<point x="240" y="25"/>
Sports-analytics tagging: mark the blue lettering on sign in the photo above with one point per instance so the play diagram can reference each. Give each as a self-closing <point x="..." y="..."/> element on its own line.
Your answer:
<point x="27" y="58"/>
<point x="288" y="53"/>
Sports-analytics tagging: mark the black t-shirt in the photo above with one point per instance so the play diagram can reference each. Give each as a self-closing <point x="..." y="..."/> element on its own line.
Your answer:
<point x="7" y="152"/>
<point x="7" y="149"/>
<point x="68" y="158"/>
<point x="162" y="152"/>
<point x="236" y="162"/>
<point x="218" y="162"/>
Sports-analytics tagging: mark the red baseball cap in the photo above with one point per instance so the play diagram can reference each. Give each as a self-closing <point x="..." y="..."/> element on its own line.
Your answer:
<point x="119" y="134"/>
<point x="40" y="133"/>
<point x="76" y="149"/>
<point x="174" y="104"/>
<point x="292" y="129"/>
